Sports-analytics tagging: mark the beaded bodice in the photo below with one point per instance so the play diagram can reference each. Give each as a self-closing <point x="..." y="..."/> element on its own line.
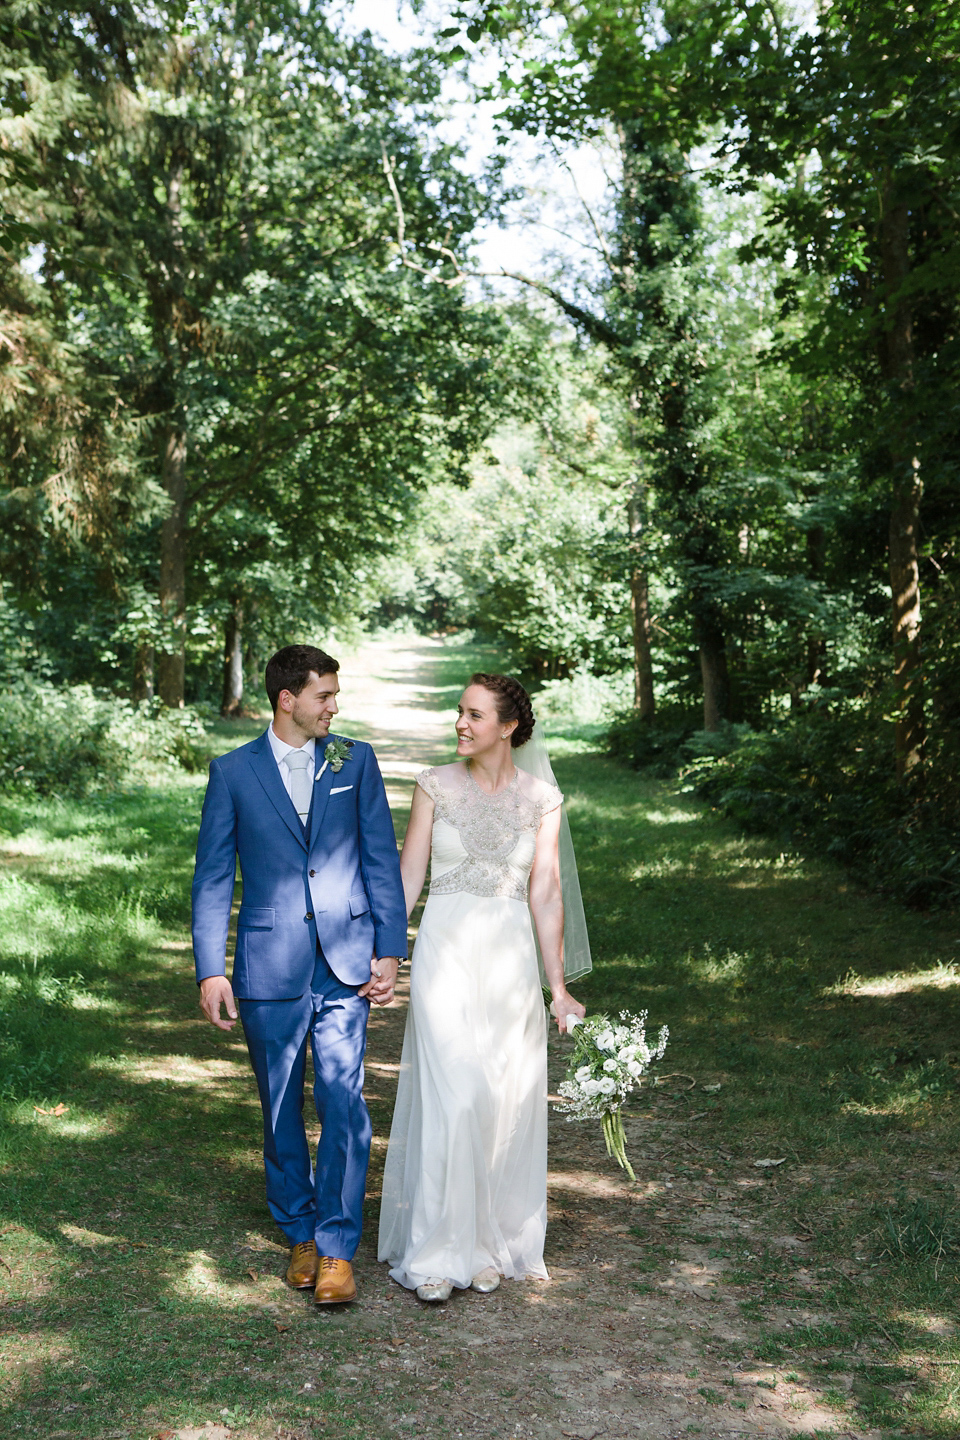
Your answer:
<point x="484" y="844"/>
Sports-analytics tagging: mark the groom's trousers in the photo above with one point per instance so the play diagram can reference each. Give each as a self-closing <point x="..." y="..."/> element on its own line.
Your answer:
<point x="323" y="1203"/>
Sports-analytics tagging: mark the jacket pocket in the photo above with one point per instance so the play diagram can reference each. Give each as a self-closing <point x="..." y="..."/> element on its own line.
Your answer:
<point x="359" y="904"/>
<point x="256" y="917"/>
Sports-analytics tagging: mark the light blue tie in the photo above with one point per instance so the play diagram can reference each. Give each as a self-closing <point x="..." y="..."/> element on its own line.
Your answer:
<point x="296" y="762"/>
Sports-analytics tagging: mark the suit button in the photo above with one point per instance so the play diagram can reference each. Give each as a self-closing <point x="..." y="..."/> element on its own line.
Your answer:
<point x="309" y="915"/>
<point x="313" y="872"/>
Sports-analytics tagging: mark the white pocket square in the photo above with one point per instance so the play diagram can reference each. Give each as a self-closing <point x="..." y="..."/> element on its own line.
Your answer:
<point x="339" y="789"/>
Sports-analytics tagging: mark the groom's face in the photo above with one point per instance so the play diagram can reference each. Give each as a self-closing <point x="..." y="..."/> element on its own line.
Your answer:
<point x="314" y="708"/>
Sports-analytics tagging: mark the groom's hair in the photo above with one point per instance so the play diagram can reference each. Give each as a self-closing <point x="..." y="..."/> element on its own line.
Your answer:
<point x="291" y="668"/>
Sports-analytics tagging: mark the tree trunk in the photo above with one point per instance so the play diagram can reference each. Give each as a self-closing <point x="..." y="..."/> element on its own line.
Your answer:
<point x="643" y="697"/>
<point x="713" y="670"/>
<point x="897" y="365"/>
<point x="173" y="568"/>
<point x="816" y="646"/>
<point x="233" y="661"/>
<point x="905" y="590"/>
<point x="251" y="656"/>
<point x="143" y="665"/>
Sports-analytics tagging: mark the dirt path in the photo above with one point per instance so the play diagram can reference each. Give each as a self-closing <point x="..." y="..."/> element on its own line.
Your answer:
<point x="636" y="1332"/>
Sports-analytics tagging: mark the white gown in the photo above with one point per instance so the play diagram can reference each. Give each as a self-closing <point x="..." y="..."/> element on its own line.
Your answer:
<point x="465" y="1182"/>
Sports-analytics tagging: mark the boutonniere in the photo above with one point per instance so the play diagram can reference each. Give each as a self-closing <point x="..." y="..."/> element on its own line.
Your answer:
<point x="334" y="755"/>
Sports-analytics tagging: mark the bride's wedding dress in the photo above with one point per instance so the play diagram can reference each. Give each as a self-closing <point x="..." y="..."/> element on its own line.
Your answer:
<point x="465" y="1183"/>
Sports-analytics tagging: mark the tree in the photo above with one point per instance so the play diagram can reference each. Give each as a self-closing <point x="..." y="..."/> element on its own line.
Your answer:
<point x="852" y="122"/>
<point x="215" y="211"/>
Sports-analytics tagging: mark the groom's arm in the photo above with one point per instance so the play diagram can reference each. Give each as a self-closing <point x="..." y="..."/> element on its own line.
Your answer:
<point x="379" y="862"/>
<point x="213" y="884"/>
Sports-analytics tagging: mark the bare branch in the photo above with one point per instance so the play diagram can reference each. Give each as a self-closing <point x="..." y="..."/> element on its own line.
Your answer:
<point x="597" y="230"/>
<point x="405" y="260"/>
<point x="594" y="325"/>
<point x="391" y="181"/>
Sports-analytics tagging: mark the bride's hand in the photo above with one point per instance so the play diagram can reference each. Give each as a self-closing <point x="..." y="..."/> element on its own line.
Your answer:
<point x="564" y="1005"/>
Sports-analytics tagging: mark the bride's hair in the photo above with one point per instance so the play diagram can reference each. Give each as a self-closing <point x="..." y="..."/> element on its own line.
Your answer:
<point x="512" y="702"/>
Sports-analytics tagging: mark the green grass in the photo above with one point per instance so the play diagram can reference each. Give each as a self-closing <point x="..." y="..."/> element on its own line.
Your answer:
<point x="141" y="1275"/>
<point x="830" y="1022"/>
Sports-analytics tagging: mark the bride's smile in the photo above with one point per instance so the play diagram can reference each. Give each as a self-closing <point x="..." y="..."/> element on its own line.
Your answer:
<point x="484" y="737"/>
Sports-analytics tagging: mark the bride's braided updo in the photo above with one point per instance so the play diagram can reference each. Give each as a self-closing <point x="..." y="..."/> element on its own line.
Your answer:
<point x="512" y="703"/>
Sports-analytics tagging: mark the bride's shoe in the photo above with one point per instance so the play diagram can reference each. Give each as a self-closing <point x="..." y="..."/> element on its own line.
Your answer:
<point x="486" y="1282"/>
<point x="435" y="1290"/>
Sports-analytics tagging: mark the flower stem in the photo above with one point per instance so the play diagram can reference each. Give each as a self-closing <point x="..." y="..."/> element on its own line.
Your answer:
<point x="616" y="1140"/>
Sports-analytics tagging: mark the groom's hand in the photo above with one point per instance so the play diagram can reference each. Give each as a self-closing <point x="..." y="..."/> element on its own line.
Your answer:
<point x="214" y="992"/>
<point x="383" y="977"/>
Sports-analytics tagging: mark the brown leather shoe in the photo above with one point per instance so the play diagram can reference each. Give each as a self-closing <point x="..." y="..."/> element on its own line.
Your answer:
<point x="335" y="1283"/>
<point x="304" y="1262"/>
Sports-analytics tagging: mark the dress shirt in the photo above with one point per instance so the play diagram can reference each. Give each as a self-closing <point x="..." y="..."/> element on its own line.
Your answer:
<point x="280" y="748"/>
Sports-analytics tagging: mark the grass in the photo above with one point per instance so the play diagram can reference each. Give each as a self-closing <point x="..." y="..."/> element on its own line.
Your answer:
<point x="142" y="1280"/>
<point x="830" y="1023"/>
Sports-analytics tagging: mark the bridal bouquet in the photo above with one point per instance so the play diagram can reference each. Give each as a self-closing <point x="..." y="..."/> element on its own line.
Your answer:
<point x="608" y="1061"/>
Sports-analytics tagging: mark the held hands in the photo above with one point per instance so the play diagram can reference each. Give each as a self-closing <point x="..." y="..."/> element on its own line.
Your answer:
<point x="383" y="977"/>
<point x="564" y="1005"/>
<point x="214" y="992"/>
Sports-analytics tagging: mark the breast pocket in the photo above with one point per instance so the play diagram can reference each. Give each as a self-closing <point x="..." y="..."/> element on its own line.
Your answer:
<point x="256" y="917"/>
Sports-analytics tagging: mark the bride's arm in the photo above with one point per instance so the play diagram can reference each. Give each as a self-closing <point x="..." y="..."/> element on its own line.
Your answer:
<point x="546" y="905"/>
<point x="416" y="847"/>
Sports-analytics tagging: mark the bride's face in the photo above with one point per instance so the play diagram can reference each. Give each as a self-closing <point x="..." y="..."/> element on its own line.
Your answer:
<point x="479" y="729"/>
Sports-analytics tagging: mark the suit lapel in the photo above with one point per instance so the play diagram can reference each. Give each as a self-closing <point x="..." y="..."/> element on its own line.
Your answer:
<point x="267" y="772"/>
<point x="322" y="786"/>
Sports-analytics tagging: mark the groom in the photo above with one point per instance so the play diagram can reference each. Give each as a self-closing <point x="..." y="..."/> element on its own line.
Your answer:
<point x="321" y="925"/>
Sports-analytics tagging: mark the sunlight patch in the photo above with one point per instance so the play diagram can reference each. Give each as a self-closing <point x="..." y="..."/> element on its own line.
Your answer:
<point x="83" y="1000"/>
<point x="588" y="1182"/>
<point x="657" y="869"/>
<point x="178" y="1069"/>
<point x="896" y="982"/>
<point x="671" y="817"/>
<point x="81" y="1129"/>
<point x="933" y="1324"/>
<point x="79" y="1236"/>
<point x="199" y="1277"/>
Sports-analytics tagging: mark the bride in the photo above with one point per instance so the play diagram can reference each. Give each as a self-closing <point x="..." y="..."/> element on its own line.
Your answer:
<point x="465" y="1183"/>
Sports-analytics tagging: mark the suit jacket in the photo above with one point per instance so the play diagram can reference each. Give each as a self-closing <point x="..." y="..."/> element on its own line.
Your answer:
<point x="338" y="881"/>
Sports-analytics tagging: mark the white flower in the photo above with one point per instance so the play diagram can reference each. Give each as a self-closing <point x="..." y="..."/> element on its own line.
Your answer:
<point x="582" y="1074"/>
<point x="591" y="1087"/>
<point x="635" y="1069"/>
<point x="626" y="1052"/>
<point x="606" y="1086"/>
<point x="605" y="1040"/>
<point x="610" y="1066"/>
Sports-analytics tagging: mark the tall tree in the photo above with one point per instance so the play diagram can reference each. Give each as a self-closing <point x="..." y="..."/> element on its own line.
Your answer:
<point x="216" y="211"/>
<point x="852" y="119"/>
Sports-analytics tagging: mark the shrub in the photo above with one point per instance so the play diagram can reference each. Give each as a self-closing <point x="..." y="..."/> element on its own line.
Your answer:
<point x="669" y="742"/>
<point x="650" y="744"/>
<point x="821" y="781"/>
<point x="582" y="698"/>
<point x="68" y="740"/>
<point x="824" y="781"/>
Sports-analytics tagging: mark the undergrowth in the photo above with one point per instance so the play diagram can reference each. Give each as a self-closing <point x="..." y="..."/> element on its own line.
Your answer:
<point x="822" y="782"/>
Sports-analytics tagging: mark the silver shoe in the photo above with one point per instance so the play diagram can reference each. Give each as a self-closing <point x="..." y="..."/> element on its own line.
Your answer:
<point x="435" y="1290"/>
<point x="486" y="1282"/>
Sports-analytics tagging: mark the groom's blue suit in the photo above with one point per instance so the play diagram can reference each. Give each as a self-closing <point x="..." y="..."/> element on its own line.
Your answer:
<point x="319" y="901"/>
